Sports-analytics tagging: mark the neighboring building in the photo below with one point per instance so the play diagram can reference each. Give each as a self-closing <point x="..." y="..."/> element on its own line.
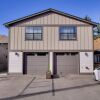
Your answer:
<point x="97" y="51"/>
<point x="3" y="53"/>
<point x="52" y="39"/>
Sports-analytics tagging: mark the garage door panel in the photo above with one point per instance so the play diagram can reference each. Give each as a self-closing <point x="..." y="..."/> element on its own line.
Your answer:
<point x="67" y="63"/>
<point x="37" y="64"/>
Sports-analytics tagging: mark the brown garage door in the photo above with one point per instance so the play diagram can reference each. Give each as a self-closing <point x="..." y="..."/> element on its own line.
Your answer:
<point x="37" y="63"/>
<point x="66" y="63"/>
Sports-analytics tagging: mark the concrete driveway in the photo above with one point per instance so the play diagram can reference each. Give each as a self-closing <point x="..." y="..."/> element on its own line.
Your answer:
<point x="71" y="87"/>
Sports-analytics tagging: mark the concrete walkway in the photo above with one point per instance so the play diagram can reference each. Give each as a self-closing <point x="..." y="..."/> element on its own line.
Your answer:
<point x="71" y="87"/>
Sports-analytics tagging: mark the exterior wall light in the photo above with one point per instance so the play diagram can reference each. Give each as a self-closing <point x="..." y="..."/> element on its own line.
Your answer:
<point x="17" y="54"/>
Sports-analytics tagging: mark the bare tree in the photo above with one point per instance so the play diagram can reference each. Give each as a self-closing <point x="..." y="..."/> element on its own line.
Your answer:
<point x="87" y="18"/>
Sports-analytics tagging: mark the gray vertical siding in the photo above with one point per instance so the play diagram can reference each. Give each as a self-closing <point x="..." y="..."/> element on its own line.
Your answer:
<point x="51" y="40"/>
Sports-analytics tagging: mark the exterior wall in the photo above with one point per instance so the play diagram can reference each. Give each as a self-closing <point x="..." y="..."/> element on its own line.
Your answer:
<point x="51" y="35"/>
<point x="15" y="62"/>
<point x="51" y="42"/>
<point x="86" y="62"/>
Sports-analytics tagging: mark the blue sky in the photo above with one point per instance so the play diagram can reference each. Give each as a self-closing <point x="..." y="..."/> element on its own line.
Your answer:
<point x="13" y="9"/>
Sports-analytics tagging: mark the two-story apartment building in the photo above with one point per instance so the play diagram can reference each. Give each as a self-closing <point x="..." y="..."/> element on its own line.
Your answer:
<point x="50" y="38"/>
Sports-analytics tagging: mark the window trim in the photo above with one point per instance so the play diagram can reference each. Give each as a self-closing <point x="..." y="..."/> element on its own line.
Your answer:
<point x="68" y="33"/>
<point x="33" y="33"/>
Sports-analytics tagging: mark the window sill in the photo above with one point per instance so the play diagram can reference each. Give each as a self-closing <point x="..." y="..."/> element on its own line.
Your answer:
<point x="33" y="40"/>
<point x="67" y="39"/>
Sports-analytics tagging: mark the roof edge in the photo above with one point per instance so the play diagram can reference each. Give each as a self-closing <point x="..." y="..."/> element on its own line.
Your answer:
<point x="8" y="24"/>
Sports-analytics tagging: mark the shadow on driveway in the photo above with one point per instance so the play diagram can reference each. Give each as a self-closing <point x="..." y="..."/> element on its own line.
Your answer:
<point x="27" y="86"/>
<point x="53" y="90"/>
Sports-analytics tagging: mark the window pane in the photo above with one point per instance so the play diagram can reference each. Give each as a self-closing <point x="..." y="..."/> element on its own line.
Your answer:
<point x="72" y="30"/>
<point x="63" y="30"/>
<point x="72" y="36"/>
<point x="29" y="29"/>
<point x="67" y="29"/>
<point x="37" y="36"/>
<point x="64" y="36"/>
<point x="37" y="30"/>
<point x="29" y="36"/>
<point x="67" y="32"/>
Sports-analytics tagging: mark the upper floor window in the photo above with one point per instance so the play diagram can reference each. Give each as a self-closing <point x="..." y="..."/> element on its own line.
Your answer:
<point x="34" y="33"/>
<point x="68" y="33"/>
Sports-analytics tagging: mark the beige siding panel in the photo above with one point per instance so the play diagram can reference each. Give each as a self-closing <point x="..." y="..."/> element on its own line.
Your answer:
<point x="19" y="39"/>
<point x="53" y="38"/>
<point x="27" y="45"/>
<point x="38" y="21"/>
<point x="67" y="45"/>
<point x="75" y="45"/>
<point x="78" y="37"/>
<point x="34" y="21"/>
<point x="74" y="22"/>
<point x="51" y="18"/>
<point x="82" y="39"/>
<point x="56" y="19"/>
<point x="59" y="19"/>
<point x="62" y="20"/>
<point x="71" y="45"/>
<point x="12" y="38"/>
<point x="23" y="38"/>
<point x="30" y="45"/>
<point x="31" y="22"/>
<point x="71" y="21"/>
<point x="49" y="38"/>
<point x="90" y="38"/>
<point x="41" y="20"/>
<point x="38" y="45"/>
<point x="63" y="45"/>
<point x="86" y="38"/>
<point x="28" y="22"/>
<point x="60" y="43"/>
<point x="45" y="38"/>
<point x="56" y="38"/>
<point x="67" y="20"/>
<point x="45" y="20"/>
<point x="41" y="45"/>
<point x="16" y="37"/>
<point x="34" y="45"/>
